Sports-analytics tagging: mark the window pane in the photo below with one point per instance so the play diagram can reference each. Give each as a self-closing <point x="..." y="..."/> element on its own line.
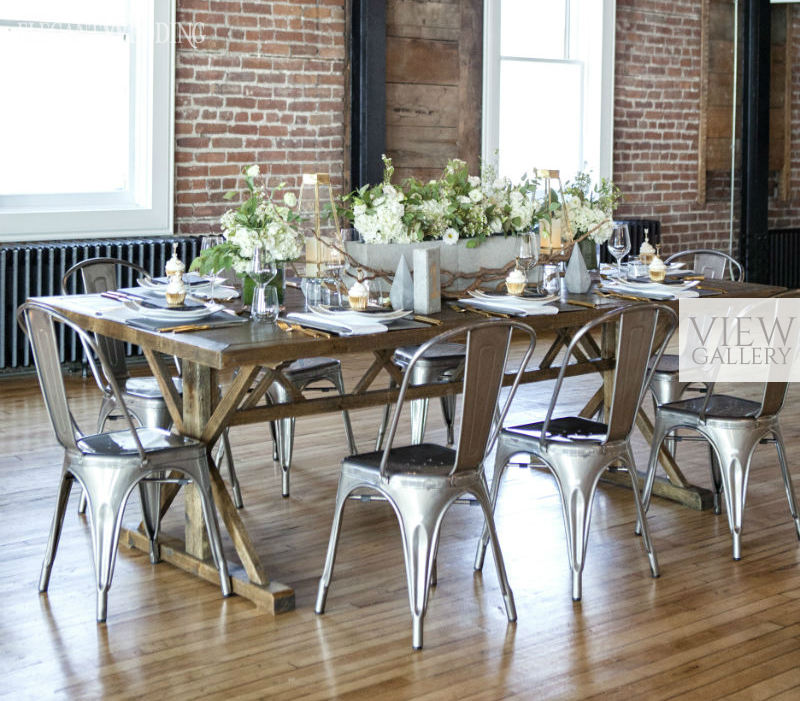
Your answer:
<point x="94" y="12"/>
<point x="540" y="117"/>
<point x="532" y="28"/>
<point x="71" y="131"/>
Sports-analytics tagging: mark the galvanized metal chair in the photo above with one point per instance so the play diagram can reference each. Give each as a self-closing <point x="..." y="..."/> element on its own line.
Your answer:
<point x="422" y="481"/>
<point x="733" y="427"/>
<point x="142" y="394"/>
<point x="301" y="374"/>
<point x="440" y="364"/>
<point x="109" y="465"/>
<point x="666" y="386"/>
<point x="578" y="450"/>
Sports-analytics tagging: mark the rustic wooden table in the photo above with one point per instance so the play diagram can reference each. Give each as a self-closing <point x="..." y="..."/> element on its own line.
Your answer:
<point x="254" y="349"/>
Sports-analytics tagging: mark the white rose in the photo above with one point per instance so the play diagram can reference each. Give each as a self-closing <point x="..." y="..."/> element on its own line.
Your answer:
<point x="474" y="181"/>
<point x="289" y="199"/>
<point x="252" y="171"/>
<point x="475" y="195"/>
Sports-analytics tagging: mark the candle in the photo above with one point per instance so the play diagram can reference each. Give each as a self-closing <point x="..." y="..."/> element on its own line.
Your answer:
<point x="555" y="234"/>
<point x="544" y="235"/>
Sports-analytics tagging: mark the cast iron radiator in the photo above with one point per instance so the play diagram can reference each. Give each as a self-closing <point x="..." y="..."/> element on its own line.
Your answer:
<point x="36" y="269"/>
<point x="784" y="257"/>
<point x="636" y="229"/>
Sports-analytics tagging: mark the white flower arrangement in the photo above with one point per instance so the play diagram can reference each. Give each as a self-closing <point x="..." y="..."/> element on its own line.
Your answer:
<point x="591" y="207"/>
<point x="258" y="220"/>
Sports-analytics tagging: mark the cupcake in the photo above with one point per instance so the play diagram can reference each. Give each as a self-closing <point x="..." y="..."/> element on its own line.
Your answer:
<point x="515" y="282"/>
<point x="657" y="269"/>
<point x="358" y="296"/>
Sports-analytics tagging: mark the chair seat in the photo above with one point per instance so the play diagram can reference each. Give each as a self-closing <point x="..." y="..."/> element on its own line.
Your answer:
<point x="567" y="429"/>
<point x="147" y="387"/>
<point x="425" y="459"/>
<point x="305" y="365"/>
<point x="720" y="406"/>
<point x="121" y="442"/>
<point x="452" y="352"/>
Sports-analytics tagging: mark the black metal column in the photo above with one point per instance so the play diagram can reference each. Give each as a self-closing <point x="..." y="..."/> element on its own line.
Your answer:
<point x="754" y="243"/>
<point x="368" y="91"/>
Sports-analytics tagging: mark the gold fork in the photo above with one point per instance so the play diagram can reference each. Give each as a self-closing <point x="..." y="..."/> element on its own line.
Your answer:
<point x="313" y="333"/>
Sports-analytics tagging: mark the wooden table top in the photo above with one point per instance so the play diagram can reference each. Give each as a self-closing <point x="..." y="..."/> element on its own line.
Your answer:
<point x="265" y="344"/>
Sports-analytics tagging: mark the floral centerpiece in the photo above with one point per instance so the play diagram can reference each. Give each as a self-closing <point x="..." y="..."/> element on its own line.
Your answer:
<point x="590" y="208"/>
<point x="258" y="220"/>
<point x="457" y="205"/>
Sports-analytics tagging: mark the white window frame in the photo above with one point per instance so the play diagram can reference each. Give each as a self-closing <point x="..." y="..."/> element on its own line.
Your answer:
<point x="490" y="142"/>
<point x="147" y="207"/>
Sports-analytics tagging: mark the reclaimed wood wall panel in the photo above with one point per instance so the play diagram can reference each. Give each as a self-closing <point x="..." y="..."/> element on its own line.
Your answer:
<point x="433" y="84"/>
<point x="716" y="99"/>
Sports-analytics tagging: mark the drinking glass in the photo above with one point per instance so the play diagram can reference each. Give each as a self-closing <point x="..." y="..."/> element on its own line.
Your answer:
<point x="527" y="251"/>
<point x="265" y="304"/>
<point x="619" y="245"/>
<point x="207" y="243"/>
<point x="262" y="267"/>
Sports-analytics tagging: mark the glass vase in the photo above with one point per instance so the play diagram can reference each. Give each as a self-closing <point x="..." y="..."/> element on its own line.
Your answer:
<point x="249" y="286"/>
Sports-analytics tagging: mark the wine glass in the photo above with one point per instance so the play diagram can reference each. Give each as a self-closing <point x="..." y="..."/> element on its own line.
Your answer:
<point x="527" y="251"/>
<point x="207" y="243"/>
<point x="619" y="245"/>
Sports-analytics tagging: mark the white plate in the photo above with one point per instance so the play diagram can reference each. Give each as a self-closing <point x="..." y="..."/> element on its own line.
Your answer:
<point x="365" y="316"/>
<point x="179" y="315"/>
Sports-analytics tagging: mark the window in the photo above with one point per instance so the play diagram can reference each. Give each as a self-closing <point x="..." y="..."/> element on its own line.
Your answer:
<point x="86" y="127"/>
<point x="548" y="86"/>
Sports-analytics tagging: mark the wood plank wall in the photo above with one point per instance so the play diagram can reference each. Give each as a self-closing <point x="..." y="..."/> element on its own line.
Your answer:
<point x="433" y="84"/>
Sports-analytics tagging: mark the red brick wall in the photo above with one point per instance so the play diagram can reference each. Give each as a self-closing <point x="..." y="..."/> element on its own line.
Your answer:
<point x="265" y="86"/>
<point x="657" y="121"/>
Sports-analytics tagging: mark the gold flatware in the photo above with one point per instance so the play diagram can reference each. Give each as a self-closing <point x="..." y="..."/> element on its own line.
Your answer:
<point x="427" y="320"/>
<point x="694" y="277"/>
<point x="194" y="327"/>
<point x="618" y="295"/>
<point x="578" y="303"/>
<point x="712" y="289"/>
<point x="313" y="333"/>
<point x="481" y="312"/>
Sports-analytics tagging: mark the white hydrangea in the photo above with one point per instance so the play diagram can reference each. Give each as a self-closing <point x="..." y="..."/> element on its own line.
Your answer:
<point x="585" y="218"/>
<point x="252" y="171"/>
<point x="384" y="224"/>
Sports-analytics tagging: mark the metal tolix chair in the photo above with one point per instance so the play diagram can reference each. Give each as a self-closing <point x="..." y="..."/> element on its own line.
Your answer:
<point x="441" y="363"/>
<point x="301" y="374"/>
<point x="142" y="395"/>
<point x="109" y="465"/>
<point x="733" y="427"/>
<point x="578" y="450"/>
<point x="422" y="481"/>
<point x="666" y="386"/>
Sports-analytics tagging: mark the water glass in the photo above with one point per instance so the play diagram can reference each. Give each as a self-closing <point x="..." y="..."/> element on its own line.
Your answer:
<point x="527" y="251"/>
<point x="265" y="304"/>
<point x="207" y="243"/>
<point x="311" y="287"/>
<point x="619" y="245"/>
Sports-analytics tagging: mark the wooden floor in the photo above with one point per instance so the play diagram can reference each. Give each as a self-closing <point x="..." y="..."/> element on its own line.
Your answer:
<point x="708" y="628"/>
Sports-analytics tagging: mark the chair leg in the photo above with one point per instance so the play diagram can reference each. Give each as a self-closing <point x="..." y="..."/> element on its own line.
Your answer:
<point x="418" y="409"/>
<point x="659" y="433"/>
<point x="505" y="589"/>
<point x="342" y="493"/>
<point x="420" y="527"/>
<point x="716" y="479"/>
<point x="55" y="530"/>
<point x="641" y="516"/>
<point x="448" y="412"/>
<point x="338" y="382"/>
<point x="150" y="495"/>
<point x="284" y="429"/>
<point x="106" y="521"/>
<point x="502" y="456"/>
<point x="274" y="441"/>
<point x="225" y="449"/>
<point x="787" y="480"/>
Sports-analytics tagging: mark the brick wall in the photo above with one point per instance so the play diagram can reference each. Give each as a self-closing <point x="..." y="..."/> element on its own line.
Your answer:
<point x="265" y="85"/>
<point x="657" y="121"/>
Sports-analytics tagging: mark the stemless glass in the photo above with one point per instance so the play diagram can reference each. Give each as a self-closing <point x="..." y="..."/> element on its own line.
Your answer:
<point x="619" y="245"/>
<point x="207" y="243"/>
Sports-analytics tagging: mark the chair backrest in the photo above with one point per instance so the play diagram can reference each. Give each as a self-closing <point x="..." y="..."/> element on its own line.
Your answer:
<point x="643" y="331"/>
<point x="775" y="392"/>
<point x="487" y="344"/>
<point x="711" y="263"/>
<point x="38" y="321"/>
<point x="100" y="275"/>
